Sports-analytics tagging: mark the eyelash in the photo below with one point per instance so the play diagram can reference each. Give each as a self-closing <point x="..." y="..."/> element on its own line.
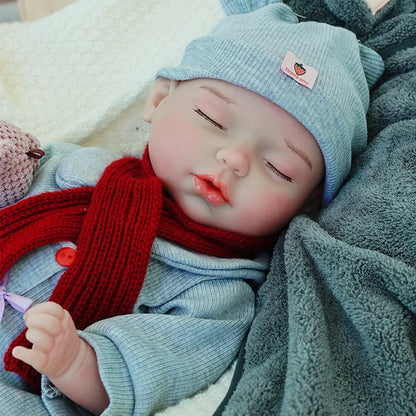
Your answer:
<point x="209" y="119"/>
<point x="267" y="164"/>
<point x="276" y="171"/>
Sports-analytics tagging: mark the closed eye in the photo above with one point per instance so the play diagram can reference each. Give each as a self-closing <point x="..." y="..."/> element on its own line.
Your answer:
<point x="277" y="171"/>
<point x="202" y="114"/>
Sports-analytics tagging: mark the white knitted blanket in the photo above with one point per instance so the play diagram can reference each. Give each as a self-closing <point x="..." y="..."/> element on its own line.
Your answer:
<point x="69" y="76"/>
<point x="82" y="75"/>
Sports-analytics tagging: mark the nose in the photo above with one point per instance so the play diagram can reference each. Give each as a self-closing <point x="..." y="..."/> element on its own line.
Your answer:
<point x="235" y="158"/>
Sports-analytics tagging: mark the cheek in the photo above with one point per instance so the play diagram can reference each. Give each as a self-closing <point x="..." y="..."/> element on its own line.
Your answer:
<point x="168" y="137"/>
<point x="159" y="157"/>
<point x="267" y="213"/>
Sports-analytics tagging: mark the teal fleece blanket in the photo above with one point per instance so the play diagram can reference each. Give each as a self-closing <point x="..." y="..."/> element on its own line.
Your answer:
<point x="335" y="332"/>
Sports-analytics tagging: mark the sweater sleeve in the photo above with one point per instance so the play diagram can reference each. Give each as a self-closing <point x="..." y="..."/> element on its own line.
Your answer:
<point x="148" y="361"/>
<point x="67" y="165"/>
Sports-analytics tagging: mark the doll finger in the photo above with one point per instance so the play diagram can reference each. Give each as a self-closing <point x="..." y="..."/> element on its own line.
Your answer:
<point x="36" y="359"/>
<point x="44" y="322"/>
<point x="49" y="308"/>
<point x="40" y="340"/>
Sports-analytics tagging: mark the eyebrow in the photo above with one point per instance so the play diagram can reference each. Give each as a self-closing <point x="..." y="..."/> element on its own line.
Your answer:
<point x="218" y="93"/>
<point x="299" y="152"/>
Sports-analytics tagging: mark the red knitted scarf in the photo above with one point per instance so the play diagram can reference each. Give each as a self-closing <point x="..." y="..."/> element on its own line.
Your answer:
<point x="114" y="225"/>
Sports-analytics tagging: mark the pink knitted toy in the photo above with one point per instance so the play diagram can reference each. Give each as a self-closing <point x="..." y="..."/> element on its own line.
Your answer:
<point x="19" y="158"/>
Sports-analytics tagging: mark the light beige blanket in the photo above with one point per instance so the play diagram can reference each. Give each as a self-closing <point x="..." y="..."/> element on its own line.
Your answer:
<point x="82" y="74"/>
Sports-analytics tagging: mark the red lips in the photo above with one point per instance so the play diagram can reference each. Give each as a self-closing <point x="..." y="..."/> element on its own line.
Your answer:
<point x="211" y="188"/>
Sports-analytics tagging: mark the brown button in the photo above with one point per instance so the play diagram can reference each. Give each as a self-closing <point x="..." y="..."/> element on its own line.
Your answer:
<point x="65" y="256"/>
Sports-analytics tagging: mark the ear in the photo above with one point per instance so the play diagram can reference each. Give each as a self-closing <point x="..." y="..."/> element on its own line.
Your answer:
<point x="160" y="90"/>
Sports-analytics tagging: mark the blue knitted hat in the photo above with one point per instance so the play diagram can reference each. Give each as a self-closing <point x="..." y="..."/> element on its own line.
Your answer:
<point x="249" y="49"/>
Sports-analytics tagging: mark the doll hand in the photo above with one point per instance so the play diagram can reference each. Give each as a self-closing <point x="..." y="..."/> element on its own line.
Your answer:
<point x="60" y="354"/>
<point x="56" y="344"/>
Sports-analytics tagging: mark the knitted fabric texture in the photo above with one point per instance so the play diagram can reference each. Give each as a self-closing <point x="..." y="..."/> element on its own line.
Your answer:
<point x="114" y="226"/>
<point x="59" y="92"/>
<point x="16" y="166"/>
<point x="248" y="50"/>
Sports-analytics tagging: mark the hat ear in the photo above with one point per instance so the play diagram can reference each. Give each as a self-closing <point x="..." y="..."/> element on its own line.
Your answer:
<point x="373" y="64"/>
<point x="244" y="6"/>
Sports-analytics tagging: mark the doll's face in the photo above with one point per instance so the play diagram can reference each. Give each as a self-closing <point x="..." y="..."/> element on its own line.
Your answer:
<point x="229" y="157"/>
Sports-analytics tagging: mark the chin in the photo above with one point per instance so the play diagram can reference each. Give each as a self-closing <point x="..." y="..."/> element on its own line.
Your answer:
<point x="196" y="215"/>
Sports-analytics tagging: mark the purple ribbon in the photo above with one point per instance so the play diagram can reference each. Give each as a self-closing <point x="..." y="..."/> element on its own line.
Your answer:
<point x="20" y="303"/>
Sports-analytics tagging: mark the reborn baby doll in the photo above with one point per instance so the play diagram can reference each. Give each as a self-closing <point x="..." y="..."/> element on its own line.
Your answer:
<point x="154" y="261"/>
